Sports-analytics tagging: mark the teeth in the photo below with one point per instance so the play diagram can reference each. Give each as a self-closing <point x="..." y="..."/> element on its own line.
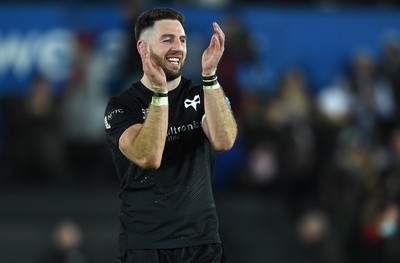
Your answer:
<point x="173" y="59"/>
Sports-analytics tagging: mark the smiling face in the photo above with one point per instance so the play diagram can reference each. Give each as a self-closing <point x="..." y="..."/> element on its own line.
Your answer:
<point x="167" y="42"/>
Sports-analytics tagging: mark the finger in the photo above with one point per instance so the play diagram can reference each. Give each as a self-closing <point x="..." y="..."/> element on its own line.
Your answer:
<point x="219" y="33"/>
<point x="144" y="56"/>
<point x="142" y="48"/>
<point x="150" y="64"/>
<point x="153" y="64"/>
<point x="213" y="42"/>
<point x="149" y="60"/>
<point x="148" y="49"/>
<point x="216" y="26"/>
<point x="217" y="42"/>
<point x="218" y="29"/>
<point x="144" y="60"/>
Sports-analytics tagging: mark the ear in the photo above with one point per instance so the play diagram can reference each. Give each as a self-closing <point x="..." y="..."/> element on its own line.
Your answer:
<point x="143" y="47"/>
<point x="139" y="46"/>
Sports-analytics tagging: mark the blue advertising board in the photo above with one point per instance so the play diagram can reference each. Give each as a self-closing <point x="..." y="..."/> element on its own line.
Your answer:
<point x="321" y="40"/>
<point x="38" y="38"/>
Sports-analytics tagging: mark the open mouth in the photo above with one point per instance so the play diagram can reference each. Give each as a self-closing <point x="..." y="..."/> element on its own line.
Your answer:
<point x="174" y="61"/>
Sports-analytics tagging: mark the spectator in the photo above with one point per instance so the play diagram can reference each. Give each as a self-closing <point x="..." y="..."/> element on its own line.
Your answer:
<point x="67" y="244"/>
<point x="390" y="68"/>
<point x="318" y="242"/>
<point x="82" y="117"/>
<point x="35" y="145"/>
<point x="373" y="102"/>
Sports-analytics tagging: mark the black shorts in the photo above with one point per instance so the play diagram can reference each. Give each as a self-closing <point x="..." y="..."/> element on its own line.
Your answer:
<point x="208" y="253"/>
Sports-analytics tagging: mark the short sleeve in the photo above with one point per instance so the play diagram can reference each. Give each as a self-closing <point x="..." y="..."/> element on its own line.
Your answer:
<point x="119" y="116"/>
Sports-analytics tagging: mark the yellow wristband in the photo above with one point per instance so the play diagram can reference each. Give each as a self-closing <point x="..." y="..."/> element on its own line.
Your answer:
<point x="159" y="101"/>
<point x="216" y="86"/>
<point x="159" y="90"/>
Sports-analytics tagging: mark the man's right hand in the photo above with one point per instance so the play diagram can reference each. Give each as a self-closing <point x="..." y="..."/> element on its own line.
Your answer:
<point x="154" y="73"/>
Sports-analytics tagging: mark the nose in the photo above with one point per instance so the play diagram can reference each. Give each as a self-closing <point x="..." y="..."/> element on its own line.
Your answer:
<point x="178" y="45"/>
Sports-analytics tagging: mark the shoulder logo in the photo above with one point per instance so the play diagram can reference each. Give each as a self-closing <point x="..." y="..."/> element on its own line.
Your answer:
<point x="106" y="123"/>
<point x="109" y="116"/>
<point x="193" y="103"/>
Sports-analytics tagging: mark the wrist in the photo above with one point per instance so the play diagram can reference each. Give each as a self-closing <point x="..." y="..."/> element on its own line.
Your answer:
<point x="159" y="99"/>
<point x="160" y="94"/>
<point x="212" y="87"/>
<point x="209" y="73"/>
<point x="210" y="81"/>
<point x="159" y="90"/>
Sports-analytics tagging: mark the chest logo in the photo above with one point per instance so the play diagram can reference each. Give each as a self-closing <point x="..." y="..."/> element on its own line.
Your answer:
<point x="193" y="102"/>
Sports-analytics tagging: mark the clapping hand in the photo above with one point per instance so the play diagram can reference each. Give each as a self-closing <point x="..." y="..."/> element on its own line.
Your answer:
<point x="214" y="51"/>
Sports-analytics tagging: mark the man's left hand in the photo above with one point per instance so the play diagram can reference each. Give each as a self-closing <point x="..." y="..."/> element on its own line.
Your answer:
<point x="214" y="51"/>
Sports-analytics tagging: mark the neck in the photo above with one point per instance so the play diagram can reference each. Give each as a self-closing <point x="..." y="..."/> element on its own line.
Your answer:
<point x="171" y="85"/>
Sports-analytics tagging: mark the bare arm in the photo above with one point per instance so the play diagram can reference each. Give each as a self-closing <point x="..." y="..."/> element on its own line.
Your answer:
<point x="219" y="123"/>
<point x="144" y="143"/>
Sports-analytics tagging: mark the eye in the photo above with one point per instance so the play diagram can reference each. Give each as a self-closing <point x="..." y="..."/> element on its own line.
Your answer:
<point x="168" y="40"/>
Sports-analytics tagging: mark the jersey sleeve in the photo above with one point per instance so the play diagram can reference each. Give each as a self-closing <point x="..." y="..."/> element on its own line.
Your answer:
<point x="119" y="116"/>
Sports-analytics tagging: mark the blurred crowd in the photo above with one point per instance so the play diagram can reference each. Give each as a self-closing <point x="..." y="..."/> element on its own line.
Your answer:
<point x="59" y="138"/>
<point x="332" y="154"/>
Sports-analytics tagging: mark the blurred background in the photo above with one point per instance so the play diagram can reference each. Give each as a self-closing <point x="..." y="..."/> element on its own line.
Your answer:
<point x="314" y="176"/>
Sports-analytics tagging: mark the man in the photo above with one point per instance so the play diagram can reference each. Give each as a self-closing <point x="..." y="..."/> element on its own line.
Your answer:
<point x="164" y="134"/>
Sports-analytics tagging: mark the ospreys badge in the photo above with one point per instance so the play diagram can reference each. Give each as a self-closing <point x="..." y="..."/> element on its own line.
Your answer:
<point x="193" y="103"/>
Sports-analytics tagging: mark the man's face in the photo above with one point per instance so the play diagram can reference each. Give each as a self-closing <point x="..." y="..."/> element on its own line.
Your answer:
<point x="168" y="47"/>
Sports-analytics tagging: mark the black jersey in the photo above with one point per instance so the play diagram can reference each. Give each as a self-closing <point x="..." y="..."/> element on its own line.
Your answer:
<point x="172" y="206"/>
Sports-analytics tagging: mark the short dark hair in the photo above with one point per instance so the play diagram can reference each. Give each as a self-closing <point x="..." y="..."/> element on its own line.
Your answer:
<point x="147" y="19"/>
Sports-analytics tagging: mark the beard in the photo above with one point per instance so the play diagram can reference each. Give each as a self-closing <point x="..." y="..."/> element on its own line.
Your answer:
<point x="169" y="74"/>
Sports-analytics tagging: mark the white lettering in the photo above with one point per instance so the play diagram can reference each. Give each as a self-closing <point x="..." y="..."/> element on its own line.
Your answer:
<point x="55" y="55"/>
<point x="174" y="132"/>
<point x="11" y="48"/>
<point x="50" y="53"/>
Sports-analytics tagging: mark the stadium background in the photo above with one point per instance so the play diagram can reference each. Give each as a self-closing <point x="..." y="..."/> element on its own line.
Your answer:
<point x="61" y="61"/>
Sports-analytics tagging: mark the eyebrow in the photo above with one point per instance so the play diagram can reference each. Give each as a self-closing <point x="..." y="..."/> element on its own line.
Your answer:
<point x="173" y="36"/>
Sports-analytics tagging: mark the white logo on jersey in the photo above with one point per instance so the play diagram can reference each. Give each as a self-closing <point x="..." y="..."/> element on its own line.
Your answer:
<point x="193" y="102"/>
<point x="108" y="126"/>
<point x="110" y="115"/>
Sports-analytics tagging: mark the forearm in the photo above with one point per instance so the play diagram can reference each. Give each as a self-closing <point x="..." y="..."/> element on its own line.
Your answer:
<point x="150" y="142"/>
<point x="144" y="144"/>
<point x="221" y="124"/>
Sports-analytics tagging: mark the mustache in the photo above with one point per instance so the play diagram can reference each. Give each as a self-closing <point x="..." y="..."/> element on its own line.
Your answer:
<point x="175" y="53"/>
